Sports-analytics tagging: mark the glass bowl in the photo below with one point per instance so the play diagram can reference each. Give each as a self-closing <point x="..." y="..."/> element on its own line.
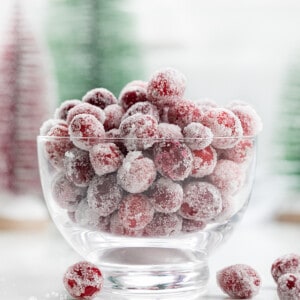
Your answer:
<point x="150" y="218"/>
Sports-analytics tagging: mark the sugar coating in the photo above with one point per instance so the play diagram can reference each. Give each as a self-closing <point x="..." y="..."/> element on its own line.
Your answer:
<point x="104" y="194"/>
<point x="77" y="167"/>
<point x="192" y="225"/>
<point x="113" y="116"/>
<point x="105" y="158"/>
<point x="86" y="108"/>
<point x="288" y="286"/>
<point x="165" y="195"/>
<point x="197" y="136"/>
<point x="140" y="83"/>
<point x="114" y="136"/>
<point x="227" y="176"/>
<point x="206" y="104"/>
<point x="135" y="211"/>
<point x="139" y="131"/>
<point x="183" y="112"/>
<point x="201" y="201"/>
<point x="48" y="124"/>
<point x="225" y="126"/>
<point x="228" y="209"/>
<point x="145" y="108"/>
<point x="288" y="263"/>
<point x="173" y="159"/>
<point x="166" y="85"/>
<point x="169" y="131"/>
<point x="65" y="193"/>
<point x="62" y="111"/>
<point x="242" y="152"/>
<point x="239" y="281"/>
<point x="132" y="94"/>
<point x="250" y="120"/>
<point x="83" y="280"/>
<point x="86" y="131"/>
<point x="99" y="97"/>
<point x="163" y="225"/>
<point x="137" y="172"/>
<point x="204" y="162"/>
<point x="58" y="145"/>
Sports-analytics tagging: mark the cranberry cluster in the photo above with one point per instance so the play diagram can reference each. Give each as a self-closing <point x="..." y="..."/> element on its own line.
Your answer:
<point x="150" y="163"/>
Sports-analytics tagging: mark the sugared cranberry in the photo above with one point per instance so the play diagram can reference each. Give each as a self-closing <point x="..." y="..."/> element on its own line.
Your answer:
<point x="288" y="287"/>
<point x="145" y="108"/>
<point x="184" y="112"/>
<point x="105" y="158"/>
<point x="201" y="201"/>
<point x="48" y="124"/>
<point x="173" y="159"/>
<point x="113" y="114"/>
<point x="132" y="94"/>
<point x="165" y="195"/>
<point x="169" y="131"/>
<point x="139" y="131"/>
<point x="166" y="85"/>
<point x="83" y="280"/>
<point x="163" y="225"/>
<point x="114" y="136"/>
<point x="86" y="131"/>
<point x="289" y="263"/>
<point x="140" y="83"/>
<point x="137" y="172"/>
<point x="104" y="194"/>
<point x="204" y="162"/>
<point x="62" y="111"/>
<point x="239" y="281"/>
<point x="86" y="108"/>
<point x="192" y="225"/>
<point x="197" y="136"/>
<point x="225" y="126"/>
<point x="99" y="97"/>
<point x="135" y="211"/>
<point x="78" y="168"/>
<point x="241" y="152"/>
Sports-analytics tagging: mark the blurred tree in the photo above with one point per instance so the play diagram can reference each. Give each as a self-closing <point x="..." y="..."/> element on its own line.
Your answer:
<point x="93" y="45"/>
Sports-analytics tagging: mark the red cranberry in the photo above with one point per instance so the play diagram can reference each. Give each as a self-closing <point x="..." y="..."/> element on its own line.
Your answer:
<point x="62" y="111"/>
<point x="135" y="211"/>
<point x="48" y="124"/>
<point x="169" y="131"/>
<point x="288" y="286"/>
<point x="132" y="94"/>
<point x="83" y="280"/>
<point x="114" y="114"/>
<point x="239" y="281"/>
<point x="241" y="152"/>
<point x="99" y="97"/>
<point x="145" y="108"/>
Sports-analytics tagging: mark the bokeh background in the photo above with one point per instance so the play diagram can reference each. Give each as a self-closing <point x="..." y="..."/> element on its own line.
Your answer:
<point x="248" y="50"/>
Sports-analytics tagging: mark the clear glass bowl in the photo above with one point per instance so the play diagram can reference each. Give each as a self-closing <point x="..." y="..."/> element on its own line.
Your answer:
<point x="169" y="256"/>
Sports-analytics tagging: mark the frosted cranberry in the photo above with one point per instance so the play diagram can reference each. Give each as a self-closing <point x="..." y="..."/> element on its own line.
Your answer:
<point x="197" y="136"/>
<point x="204" y="162"/>
<point x="184" y="112"/>
<point x="239" y="281"/>
<point x="206" y="104"/>
<point x="62" y="111"/>
<point x="116" y="227"/>
<point x="139" y="131"/>
<point x="288" y="287"/>
<point x="78" y="168"/>
<point x="132" y="94"/>
<point x="145" y="108"/>
<point x="225" y="126"/>
<point x="169" y="131"/>
<point x="86" y="131"/>
<point x="250" y="121"/>
<point x="104" y="194"/>
<point x="48" y="124"/>
<point x="57" y="145"/>
<point x="192" y="225"/>
<point x="137" y="172"/>
<point x="165" y="195"/>
<point x="114" y="114"/>
<point x="135" y="211"/>
<point x="86" y="108"/>
<point x="83" y="280"/>
<point x="65" y="193"/>
<point x="173" y="159"/>
<point x="99" y="97"/>
<point x="289" y="263"/>
<point x="241" y="152"/>
<point x="114" y="136"/>
<point x="140" y="83"/>
<point x="166" y="85"/>
<point x="163" y="225"/>
<point x="228" y="176"/>
<point x="105" y="158"/>
<point x="201" y="201"/>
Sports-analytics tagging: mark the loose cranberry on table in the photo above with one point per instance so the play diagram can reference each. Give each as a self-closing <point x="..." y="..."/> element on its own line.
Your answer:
<point x="83" y="280"/>
<point x="288" y="286"/>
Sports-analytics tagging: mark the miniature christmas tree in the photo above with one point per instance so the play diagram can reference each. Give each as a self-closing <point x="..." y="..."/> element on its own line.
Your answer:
<point x="93" y="45"/>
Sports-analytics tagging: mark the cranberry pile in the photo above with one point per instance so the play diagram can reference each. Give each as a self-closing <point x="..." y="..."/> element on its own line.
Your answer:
<point x="150" y="163"/>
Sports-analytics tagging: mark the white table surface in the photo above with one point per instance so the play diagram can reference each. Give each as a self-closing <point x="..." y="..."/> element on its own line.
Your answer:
<point x="32" y="263"/>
